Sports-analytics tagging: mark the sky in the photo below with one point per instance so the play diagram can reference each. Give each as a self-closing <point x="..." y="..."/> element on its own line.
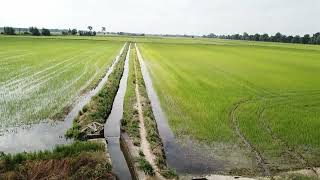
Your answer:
<point x="196" y="17"/>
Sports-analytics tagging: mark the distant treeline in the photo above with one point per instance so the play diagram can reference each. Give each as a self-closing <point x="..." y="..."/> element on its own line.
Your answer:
<point x="278" y="37"/>
<point x="34" y="31"/>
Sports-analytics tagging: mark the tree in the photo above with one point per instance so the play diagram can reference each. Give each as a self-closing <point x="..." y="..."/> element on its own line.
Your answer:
<point x="305" y="39"/>
<point x="45" y="32"/>
<point x="318" y="40"/>
<point x="256" y="37"/>
<point x="277" y="37"/>
<point x="289" y="39"/>
<point x="296" y="39"/>
<point x="264" y="37"/>
<point x="9" y="31"/>
<point x="90" y="28"/>
<point x="245" y="36"/>
<point x="103" y="29"/>
<point x="34" y="31"/>
<point x="74" y="31"/>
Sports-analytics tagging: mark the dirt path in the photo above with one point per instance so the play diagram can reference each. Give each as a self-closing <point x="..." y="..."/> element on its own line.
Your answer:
<point x="145" y="146"/>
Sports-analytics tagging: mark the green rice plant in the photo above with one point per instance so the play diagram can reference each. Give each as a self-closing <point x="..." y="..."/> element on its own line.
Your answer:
<point x="40" y="78"/>
<point x="273" y="87"/>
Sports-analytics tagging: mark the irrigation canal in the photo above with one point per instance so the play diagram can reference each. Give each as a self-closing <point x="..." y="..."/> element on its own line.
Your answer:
<point x="112" y="128"/>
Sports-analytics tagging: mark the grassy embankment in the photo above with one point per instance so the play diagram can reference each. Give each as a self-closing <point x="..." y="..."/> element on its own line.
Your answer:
<point x="99" y="108"/>
<point x="80" y="160"/>
<point x="130" y="122"/>
<point x="41" y="78"/>
<point x="274" y="85"/>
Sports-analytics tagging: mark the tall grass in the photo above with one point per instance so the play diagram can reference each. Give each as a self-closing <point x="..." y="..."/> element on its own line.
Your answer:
<point x="11" y="161"/>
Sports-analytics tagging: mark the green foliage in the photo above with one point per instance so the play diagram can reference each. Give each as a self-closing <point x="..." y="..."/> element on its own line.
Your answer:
<point x="45" y="32"/>
<point x="9" y="31"/>
<point x="146" y="167"/>
<point x="34" y="31"/>
<point x="278" y="37"/>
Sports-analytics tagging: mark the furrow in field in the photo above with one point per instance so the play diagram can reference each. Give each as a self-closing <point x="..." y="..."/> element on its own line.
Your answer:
<point x="39" y="74"/>
<point x="290" y="150"/>
<point x="259" y="158"/>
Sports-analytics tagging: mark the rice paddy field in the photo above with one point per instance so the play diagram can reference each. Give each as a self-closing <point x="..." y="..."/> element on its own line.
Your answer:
<point x="254" y="106"/>
<point x="40" y="77"/>
<point x="263" y="98"/>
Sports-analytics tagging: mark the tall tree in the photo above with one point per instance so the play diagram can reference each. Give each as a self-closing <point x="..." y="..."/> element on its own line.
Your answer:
<point x="90" y="28"/>
<point x="103" y="29"/>
<point x="45" y="32"/>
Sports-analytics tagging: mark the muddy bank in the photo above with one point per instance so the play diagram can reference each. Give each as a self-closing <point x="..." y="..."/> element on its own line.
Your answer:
<point x="46" y="135"/>
<point x="183" y="158"/>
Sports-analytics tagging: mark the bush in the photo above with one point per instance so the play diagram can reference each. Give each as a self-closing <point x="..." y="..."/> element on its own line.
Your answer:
<point x="34" y="31"/>
<point x="9" y="31"/>
<point x="26" y="33"/>
<point x="87" y="33"/>
<point x="45" y="32"/>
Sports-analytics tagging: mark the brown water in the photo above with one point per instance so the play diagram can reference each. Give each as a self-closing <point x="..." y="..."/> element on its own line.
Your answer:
<point x="112" y="128"/>
<point x="185" y="159"/>
<point x="48" y="134"/>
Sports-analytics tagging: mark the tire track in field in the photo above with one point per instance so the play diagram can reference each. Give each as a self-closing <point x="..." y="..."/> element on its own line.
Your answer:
<point x="15" y="56"/>
<point x="32" y="68"/>
<point x="258" y="156"/>
<point x="289" y="150"/>
<point x="46" y="97"/>
<point x="33" y="81"/>
<point x="34" y="74"/>
<point x="34" y="84"/>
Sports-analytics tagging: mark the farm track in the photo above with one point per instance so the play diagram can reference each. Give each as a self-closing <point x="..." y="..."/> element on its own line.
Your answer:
<point x="276" y="100"/>
<point x="259" y="158"/>
<point x="31" y="79"/>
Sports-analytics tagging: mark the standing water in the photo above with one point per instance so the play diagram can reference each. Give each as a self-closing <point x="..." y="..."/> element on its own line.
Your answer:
<point x="184" y="159"/>
<point x="46" y="135"/>
<point x="112" y="128"/>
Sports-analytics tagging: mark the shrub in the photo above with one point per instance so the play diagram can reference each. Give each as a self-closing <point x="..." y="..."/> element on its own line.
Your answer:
<point x="9" y="31"/>
<point x="34" y="31"/>
<point x="45" y="32"/>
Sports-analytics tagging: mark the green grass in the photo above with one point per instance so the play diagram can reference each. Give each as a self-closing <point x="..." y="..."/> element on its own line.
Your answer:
<point x="146" y="167"/>
<point x="130" y="121"/>
<point x="199" y="86"/>
<point x="40" y="77"/>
